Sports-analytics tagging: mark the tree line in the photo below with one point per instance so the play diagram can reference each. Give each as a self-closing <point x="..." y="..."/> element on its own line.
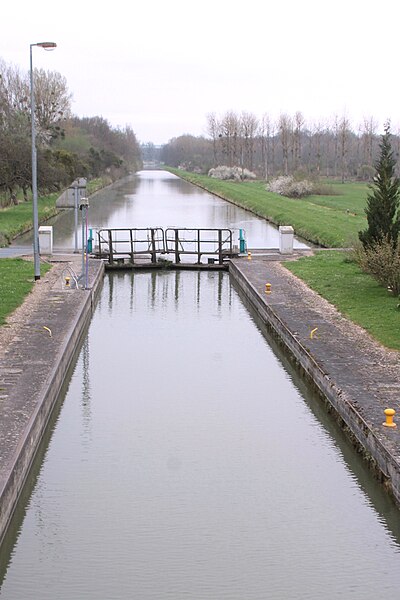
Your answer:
<point x="284" y="146"/>
<point x="67" y="146"/>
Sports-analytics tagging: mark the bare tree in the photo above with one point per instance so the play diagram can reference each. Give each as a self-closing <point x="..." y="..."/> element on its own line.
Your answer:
<point x="249" y="126"/>
<point x="285" y="129"/>
<point x="344" y="126"/>
<point x="298" y="123"/>
<point x="264" y="132"/>
<point x="213" y="130"/>
<point x="229" y="134"/>
<point x="368" y="136"/>
<point x="52" y="102"/>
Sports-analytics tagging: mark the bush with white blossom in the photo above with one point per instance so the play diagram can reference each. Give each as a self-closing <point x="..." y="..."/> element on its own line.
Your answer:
<point x="235" y="173"/>
<point x="286" y="185"/>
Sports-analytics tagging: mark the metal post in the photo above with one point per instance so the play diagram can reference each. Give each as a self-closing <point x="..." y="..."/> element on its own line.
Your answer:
<point x="198" y="247"/>
<point x="83" y="240"/>
<point x="153" y="247"/>
<point x="36" y="251"/>
<point x="84" y="205"/>
<point x="177" y="258"/>
<point x="110" y="248"/>
<point x="36" y="255"/>
<point x="76" y="218"/>
<point x="132" y="246"/>
<point x="220" y="246"/>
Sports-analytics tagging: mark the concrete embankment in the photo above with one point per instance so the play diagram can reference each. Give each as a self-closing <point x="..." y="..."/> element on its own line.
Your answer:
<point x="358" y="377"/>
<point x="36" y="350"/>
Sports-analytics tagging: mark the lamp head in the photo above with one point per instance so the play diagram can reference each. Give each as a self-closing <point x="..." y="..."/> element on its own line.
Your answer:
<point x="46" y="45"/>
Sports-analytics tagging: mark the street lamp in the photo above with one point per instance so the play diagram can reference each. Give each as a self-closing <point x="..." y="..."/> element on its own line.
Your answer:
<point x="36" y="256"/>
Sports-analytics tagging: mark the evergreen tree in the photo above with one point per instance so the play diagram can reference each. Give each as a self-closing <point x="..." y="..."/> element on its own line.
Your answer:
<point x="383" y="201"/>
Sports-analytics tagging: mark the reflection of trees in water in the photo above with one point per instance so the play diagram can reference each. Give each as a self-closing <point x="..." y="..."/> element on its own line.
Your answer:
<point x="154" y="288"/>
<point x="86" y="395"/>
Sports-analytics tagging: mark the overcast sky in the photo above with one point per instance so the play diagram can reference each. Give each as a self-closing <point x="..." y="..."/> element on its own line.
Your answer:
<point x="161" y="65"/>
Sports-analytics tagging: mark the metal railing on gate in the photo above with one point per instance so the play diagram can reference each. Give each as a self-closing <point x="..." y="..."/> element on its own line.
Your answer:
<point x="117" y="245"/>
<point x="130" y="245"/>
<point x="199" y="242"/>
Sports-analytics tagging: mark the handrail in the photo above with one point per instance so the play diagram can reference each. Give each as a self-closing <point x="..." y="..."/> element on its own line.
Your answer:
<point x="199" y="242"/>
<point x="131" y="242"/>
<point x="120" y="244"/>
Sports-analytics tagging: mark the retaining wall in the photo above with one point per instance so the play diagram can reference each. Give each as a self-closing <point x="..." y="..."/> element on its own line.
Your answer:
<point x="29" y="441"/>
<point x="383" y="458"/>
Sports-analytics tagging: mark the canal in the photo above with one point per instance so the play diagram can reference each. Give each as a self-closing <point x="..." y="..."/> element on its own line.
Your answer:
<point x="160" y="199"/>
<point x="187" y="459"/>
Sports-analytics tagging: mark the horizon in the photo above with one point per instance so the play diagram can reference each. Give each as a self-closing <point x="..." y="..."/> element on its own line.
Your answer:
<point x="161" y="69"/>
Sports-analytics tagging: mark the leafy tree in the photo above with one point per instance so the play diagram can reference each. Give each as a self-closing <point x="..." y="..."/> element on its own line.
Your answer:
<point x="383" y="201"/>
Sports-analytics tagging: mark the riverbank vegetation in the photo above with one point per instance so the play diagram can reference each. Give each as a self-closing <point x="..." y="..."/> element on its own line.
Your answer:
<point x="337" y="278"/>
<point x="17" y="219"/>
<point x="327" y="220"/>
<point x="331" y="220"/>
<point x="16" y="281"/>
<point x="68" y="146"/>
<point x="334" y="148"/>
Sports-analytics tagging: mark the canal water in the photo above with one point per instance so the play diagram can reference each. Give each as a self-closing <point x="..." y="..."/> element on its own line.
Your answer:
<point x="188" y="460"/>
<point x="160" y="199"/>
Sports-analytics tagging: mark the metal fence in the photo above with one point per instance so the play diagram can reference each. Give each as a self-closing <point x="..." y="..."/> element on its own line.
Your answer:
<point x="136" y="244"/>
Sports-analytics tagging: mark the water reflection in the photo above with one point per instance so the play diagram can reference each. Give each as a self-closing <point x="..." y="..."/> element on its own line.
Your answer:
<point x="86" y="393"/>
<point x="212" y="470"/>
<point x="161" y="285"/>
<point x="160" y="199"/>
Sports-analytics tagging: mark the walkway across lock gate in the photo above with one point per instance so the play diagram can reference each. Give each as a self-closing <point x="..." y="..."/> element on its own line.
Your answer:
<point x="136" y="246"/>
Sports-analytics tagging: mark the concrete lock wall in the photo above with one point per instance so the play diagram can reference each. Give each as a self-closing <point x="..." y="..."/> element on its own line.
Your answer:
<point x="67" y="198"/>
<point x="12" y="487"/>
<point x="384" y="462"/>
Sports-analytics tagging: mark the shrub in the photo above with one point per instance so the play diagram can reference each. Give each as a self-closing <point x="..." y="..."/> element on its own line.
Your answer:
<point x="235" y="173"/>
<point x="383" y="201"/>
<point x="287" y="186"/>
<point x="381" y="260"/>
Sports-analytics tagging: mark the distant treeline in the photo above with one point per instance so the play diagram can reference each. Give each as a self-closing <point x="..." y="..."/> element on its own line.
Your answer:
<point x="286" y="146"/>
<point x="67" y="146"/>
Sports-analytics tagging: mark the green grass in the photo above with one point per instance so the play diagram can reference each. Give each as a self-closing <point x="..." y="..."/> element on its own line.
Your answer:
<point x="355" y="294"/>
<point x="16" y="281"/>
<point x="329" y="221"/>
<point x="15" y="220"/>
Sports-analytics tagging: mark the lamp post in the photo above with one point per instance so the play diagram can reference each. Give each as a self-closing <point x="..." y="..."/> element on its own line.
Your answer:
<point x="36" y="256"/>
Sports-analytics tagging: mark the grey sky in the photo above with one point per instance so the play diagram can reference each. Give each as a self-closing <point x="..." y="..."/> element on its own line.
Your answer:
<point x="162" y="66"/>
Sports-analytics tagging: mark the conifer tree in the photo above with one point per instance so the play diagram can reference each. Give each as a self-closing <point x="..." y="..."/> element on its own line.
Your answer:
<point x="383" y="202"/>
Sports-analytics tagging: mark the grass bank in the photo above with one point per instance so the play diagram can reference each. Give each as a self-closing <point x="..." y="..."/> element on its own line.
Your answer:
<point x="329" y="221"/>
<point x="16" y="281"/>
<point x="356" y="295"/>
<point x="16" y="220"/>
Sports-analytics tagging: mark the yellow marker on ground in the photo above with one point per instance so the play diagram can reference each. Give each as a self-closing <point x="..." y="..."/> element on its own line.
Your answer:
<point x="312" y="332"/>
<point x="49" y="330"/>
<point x="389" y="412"/>
<point x="267" y="288"/>
<point x="67" y="281"/>
<point x="249" y="256"/>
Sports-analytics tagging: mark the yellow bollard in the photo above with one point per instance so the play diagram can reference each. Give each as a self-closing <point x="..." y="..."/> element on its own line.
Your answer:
<point x="267" y="288"/>
<point x="312" y="332"/>
<point x="389" y="412"/>
<point x="249" y="256"/>
<point x="67" y="281"/>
